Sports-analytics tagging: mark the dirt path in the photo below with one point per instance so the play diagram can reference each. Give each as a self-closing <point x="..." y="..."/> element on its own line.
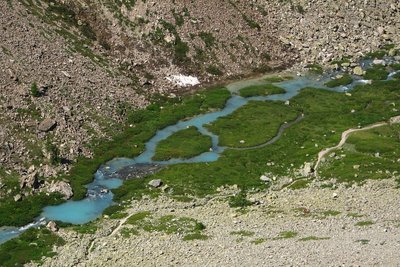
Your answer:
<point x="345" y="136"/>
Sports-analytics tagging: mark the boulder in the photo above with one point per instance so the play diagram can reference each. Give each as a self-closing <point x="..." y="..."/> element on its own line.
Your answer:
<point x="47" y="125"/>
<point x="155" y="183"/>
<point x="52" y="226"/>
<point x="61" y="187"/>
<point x="17" y="197"/>
<point x="265" y="178"/>
<point x="358" y="71"/>
<point x="379" y="62"/>
<point x="30" y="181"/>
<point x="307" y="169"/>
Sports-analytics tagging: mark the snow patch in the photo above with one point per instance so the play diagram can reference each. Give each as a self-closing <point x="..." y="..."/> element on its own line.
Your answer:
<point x="183" y="80"/>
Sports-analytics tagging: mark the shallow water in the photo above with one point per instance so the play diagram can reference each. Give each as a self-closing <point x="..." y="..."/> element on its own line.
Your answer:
<point x="99" y="197"/>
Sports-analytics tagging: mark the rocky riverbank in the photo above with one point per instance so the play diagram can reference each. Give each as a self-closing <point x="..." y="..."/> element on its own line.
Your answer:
<point x="314" y="226"/>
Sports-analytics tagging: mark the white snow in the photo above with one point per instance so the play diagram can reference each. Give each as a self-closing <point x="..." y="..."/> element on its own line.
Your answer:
<point x="183" y="80"/>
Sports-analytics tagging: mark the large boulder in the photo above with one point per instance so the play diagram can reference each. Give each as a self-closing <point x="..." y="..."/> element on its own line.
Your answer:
<point x="47" y="125"/>
<point x="307" y="169"/>
<point x="155" y="183"/>
<point x="52" y="226"/>
<point x="61" y="187"/>
<point x="30" y="181"/>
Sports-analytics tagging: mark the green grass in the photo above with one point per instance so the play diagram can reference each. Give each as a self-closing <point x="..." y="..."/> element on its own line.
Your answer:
<point x="31" y="245"/>
<point x="128" y="232"/>
<point x="395" y="66"/>
<point x="208" y="39"/>
<point x="115" y="212"/>
<point x="21" y="213"/>
<point x="344" y="80"/>
<point x="239" y="201"/>
<point x="214" y="70"/>
<point x="261" y="90"/>
<point x="376" y="54"/>
<point x="286" y="235"/>
<point x="190" y="228"/>
<point x="313" y="238"/>
<point x="315" y="69"/>
<point x="376" y="73"/>
<point x="300" y="184"/>
<point x="354" y="215"/>
<point x="195" y="236"/>
<point x="255" y="123"/>
<point x="242" y="233"/>
<point x="363" y="241"/>
<point x="258" y="241"/>
<point x="35" y="90"/>
<point x="361" y="150"/>
<point x="183" y="144"/>
<point x="364" y="223"/>
<point x="138" y="217"/>
<point x="330" y="213"/>
<point x="89" y="228"/>
<point x="277" y="79"/>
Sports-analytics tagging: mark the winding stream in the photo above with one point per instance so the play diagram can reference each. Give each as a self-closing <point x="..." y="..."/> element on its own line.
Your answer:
<point x="99" y="196"/>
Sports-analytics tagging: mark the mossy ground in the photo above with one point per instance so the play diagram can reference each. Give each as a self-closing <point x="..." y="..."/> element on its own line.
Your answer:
<point x="190" y="228"/>
<point x="261" y="90"/>
<point x="183" y="144"/>
<point x="372" y="154"/>
<point x="346" y="79"/>
<point x="32" y="245"/>
<point x="254" y="124"/>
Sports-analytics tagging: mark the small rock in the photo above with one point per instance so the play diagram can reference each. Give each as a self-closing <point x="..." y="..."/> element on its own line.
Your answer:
<point x="47" y="125"/>
<point x="334" y="195"/>
<point x="17" y="197"/>
<point x="265" y="179"/>
<point x="155" y="183"/>
<point x="379" y="62"/>
<point x="358" y="71"/>
<point x="242" y="141"/>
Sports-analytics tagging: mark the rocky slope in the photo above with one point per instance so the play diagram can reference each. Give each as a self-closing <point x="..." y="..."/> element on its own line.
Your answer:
<point x="72" y="69"/>
<point x="354" y="226"/>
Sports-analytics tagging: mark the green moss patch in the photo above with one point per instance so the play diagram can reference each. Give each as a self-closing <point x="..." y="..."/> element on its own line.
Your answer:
<point x="346" y="79"/>
<point x="376" y="73"/>
<point x="183" y="144"/>
<point x="261" y="90"/>
<point x="253" y="124"/>
<point x="31" y="245"/>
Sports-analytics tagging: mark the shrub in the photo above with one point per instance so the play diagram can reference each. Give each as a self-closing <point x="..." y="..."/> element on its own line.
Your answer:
<point x="239" y="201"/>
<point x="35" y="90"/>
<point x="214" y="70"/>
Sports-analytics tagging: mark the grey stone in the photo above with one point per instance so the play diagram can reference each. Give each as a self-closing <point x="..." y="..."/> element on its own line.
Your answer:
<point x="265" y="179"/>
<point x="17" y="197"/>
<point x="52" y="226"/>
<point x="47" y="125"/>
<point x="61" y="187"/>
<point x="358" y="71"/>
<point x="155" y="183"/>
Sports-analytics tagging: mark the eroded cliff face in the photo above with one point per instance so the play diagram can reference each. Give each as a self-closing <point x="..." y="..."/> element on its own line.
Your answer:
<point x="92" y="60"/>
